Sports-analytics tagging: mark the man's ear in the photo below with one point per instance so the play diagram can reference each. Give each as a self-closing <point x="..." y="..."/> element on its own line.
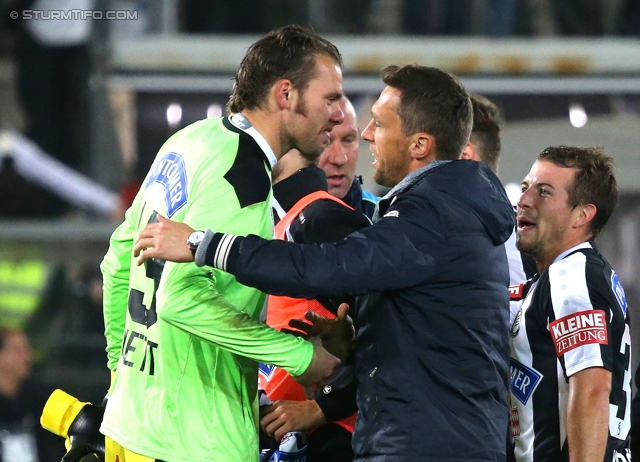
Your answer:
<point x="284" y="93"/>
<point x="422" y="146"/>
<point x="586" y="214"/>
<point x="470" y="152"/>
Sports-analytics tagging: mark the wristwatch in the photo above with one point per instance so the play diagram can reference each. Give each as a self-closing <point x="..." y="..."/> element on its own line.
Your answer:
<point x="194" y="240"/>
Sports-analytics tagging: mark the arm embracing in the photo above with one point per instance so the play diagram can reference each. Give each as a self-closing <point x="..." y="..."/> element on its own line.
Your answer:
<point x="188" y="299"/>
<point x="375" y="259"/>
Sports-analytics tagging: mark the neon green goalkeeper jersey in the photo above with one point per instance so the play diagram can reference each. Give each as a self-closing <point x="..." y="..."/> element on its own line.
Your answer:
<point x="186" y="340"/>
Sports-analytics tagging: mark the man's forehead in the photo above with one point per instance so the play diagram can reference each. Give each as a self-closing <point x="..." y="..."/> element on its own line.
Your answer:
<point x="327" y="73"/>
<point x="388" y="99"/>
<point x="547" y="172"/>
<point x="337" y="134"/>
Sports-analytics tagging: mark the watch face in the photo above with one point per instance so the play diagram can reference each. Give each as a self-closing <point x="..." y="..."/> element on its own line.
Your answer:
<point x="195" y="239"/>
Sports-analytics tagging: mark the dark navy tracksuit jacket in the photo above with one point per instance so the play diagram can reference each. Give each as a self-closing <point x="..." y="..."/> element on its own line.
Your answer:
<point x="431" y="351"/>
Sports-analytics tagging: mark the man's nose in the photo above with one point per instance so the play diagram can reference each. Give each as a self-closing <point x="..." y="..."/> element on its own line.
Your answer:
<point x="337" y="117"/>
<point x="367" y="134"/>
<point x="525" y="199"/>
<point x="336" y="154"/>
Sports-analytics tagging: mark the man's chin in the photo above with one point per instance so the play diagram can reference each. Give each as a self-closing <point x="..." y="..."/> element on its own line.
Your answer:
<point x="530" y="248"/>
<point x="335" y="192"/>
<point x="383" y="180"/>
<point x="311" y="155"/>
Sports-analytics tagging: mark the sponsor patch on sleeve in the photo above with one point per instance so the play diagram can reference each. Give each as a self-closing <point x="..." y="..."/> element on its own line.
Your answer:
<point x="265" y="372"/>
<point x="523" y="381"/>
<point x="170" y="172"/>
<point x="618" y="291"/>
<point x="577" y="329"/>
<point x="393" y="213"/>
<point x="516" y="292"/>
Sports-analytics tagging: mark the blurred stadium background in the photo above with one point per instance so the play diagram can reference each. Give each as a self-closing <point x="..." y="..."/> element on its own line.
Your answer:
<point x="562" y="71"/>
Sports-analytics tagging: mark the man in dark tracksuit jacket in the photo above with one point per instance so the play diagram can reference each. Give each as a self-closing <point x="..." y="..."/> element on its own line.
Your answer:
<point x="431" y="348"/>
<point x="431" y="351"/>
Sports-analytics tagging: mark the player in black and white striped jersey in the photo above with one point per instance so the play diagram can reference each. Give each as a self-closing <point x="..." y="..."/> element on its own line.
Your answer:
<point x="570" y="353"/>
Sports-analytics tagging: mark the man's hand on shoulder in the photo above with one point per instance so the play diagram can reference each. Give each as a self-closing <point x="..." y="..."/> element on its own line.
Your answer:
<point x="336" y="334"/>
<point x="165" y="240"/>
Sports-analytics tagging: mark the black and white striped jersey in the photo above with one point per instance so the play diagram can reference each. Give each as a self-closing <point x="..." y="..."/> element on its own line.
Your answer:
<point x="521" y="268"/>
<point x="574" y="317"/>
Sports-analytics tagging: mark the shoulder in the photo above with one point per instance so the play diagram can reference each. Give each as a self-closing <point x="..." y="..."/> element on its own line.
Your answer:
<point x="218" y="153"/>
<point x="415" y="201"/>
<point x="580" y="269"/>
<point x="249" y="163"/>
<point x="369" y="197"/>
<point x="329" y="211"/>
<point x="368" y="203"/>
<point x="573" y="265"/>
<point x="203" y="132"/>
<point x="582" y="281"/>
<point x="326" y="221"/>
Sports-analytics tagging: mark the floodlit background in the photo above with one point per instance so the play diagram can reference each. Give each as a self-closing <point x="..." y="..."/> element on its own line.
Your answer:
<point x="86" y="102"/>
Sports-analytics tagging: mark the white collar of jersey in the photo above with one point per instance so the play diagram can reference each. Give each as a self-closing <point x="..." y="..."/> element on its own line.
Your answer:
<point x="278" y="208"/>
<point x="582" y="245"/>
<point x="243" y="123"/>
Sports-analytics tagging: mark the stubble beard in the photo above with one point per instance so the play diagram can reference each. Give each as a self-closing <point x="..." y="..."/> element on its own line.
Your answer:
<point x="312" y="152"/>
<point x="380" y="178"/>
<point x="301" y="107"/>
<point x="388" y="176"/>
<point x="534" y="249"/>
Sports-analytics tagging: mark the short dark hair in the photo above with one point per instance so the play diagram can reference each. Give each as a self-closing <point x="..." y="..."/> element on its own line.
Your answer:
<point x="485" y="133"/>
<point x="286" y="53"/>
<point x="594" y="181"/>
<point x="433" y="101"/>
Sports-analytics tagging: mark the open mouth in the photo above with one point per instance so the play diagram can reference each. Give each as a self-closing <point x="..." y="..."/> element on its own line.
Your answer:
<point x="336" y="180"/>
<point x="525" y="225"/>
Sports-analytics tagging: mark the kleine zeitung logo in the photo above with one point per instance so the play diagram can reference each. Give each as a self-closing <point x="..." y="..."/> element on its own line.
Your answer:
<point x="582" y="328"/>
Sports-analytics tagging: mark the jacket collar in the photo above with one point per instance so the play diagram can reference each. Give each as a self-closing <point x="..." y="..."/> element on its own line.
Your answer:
<point x="302" y="183"/>
<point x="407" y="183"/>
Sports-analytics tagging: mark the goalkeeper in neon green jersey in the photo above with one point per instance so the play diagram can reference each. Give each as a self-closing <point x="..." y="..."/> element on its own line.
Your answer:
<point x="184" y="341"/>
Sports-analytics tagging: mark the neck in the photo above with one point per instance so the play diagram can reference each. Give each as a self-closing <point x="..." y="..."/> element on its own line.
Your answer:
<point x="543" y="263"/>
<point x="417" y="164"/>
<point x="267" y="125"/>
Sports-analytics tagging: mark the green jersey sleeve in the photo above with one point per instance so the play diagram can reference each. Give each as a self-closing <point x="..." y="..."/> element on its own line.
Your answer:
<point x="115" y="269"/>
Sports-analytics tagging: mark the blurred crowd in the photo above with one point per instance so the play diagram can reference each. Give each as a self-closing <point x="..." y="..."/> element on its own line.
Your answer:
<point x="53" y="60"/>
<point x="59" y="313"/>
<point x="497" y="18"/>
